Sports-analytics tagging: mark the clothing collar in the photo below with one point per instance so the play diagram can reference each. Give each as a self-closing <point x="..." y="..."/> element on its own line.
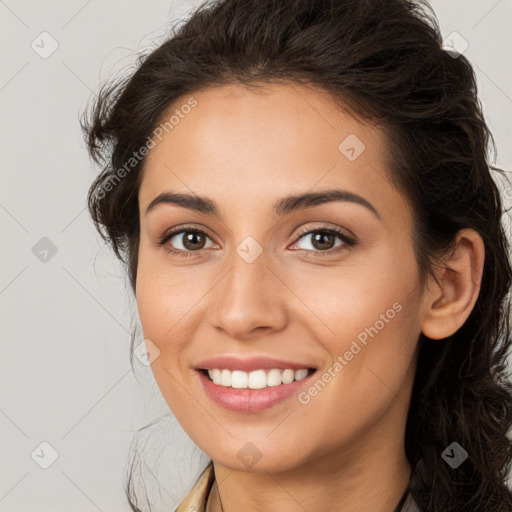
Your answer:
<point x="196" y="499"/>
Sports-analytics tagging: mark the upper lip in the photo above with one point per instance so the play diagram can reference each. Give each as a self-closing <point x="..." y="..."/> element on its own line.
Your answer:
<point x="248" y="364"/>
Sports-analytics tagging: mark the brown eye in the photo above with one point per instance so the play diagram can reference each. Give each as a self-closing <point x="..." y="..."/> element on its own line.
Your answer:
<point x="193" y="240"/>
<point x="323" y="240"/>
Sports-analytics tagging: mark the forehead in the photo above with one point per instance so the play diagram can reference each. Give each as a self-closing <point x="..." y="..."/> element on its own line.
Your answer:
<point x="266" y="142"/>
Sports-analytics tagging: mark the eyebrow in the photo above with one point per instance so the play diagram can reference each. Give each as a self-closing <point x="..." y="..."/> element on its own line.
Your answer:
<point x="281" y="207"/>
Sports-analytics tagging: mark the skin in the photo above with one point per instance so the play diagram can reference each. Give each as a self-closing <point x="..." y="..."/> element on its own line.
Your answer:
<point x="246" y="149"/>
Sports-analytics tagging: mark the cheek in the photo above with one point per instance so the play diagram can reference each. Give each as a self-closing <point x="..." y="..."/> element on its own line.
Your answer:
<point x="162" y="306"/>
<point x="369" y="368"/>
<point x="343" y="304"/>
<point x="171" y="305"/>
<point x="164" y="296"/>
<point x="369" y="324"/>
<point x="151" y="305"/>
<point x="163" y="319"/>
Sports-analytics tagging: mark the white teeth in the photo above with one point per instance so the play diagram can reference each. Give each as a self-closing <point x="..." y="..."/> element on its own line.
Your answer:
<point x="288" y="376"/>
<point x="301" y="374"/>
<point x="225" y="378"/>
<point x="257" y="379"/>
<point x="216" y="376"/>
<point x="239" y="379"/>
<point x="274" y="378"/>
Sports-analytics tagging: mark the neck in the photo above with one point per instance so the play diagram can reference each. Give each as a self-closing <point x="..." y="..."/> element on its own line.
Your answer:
<point x="371" y="475"/>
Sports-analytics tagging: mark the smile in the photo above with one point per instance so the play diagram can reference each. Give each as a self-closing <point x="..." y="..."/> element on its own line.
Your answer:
<point x="257" y="379"/>
<point x="252" y="385"/>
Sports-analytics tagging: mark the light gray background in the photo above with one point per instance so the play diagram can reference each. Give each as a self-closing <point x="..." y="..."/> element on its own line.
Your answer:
<point x="65" y="326"/>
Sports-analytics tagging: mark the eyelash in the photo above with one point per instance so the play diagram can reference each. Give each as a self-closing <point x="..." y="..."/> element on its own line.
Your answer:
<point x="348" y="242"/>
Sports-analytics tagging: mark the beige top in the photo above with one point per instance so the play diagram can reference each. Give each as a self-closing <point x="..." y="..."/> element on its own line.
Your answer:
<point x="196" y="499"/>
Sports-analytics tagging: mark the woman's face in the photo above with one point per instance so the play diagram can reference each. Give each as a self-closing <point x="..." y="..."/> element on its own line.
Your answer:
<point x="267" y="286"/>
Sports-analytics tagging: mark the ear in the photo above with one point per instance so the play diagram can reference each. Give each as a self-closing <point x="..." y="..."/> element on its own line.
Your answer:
<point x="450" y="297"/>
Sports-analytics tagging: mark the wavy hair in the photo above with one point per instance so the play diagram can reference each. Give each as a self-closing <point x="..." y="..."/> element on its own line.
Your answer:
<point x="382" y="61"/>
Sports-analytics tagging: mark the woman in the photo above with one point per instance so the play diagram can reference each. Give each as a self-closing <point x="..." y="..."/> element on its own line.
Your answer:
<point x="301" y="194"/>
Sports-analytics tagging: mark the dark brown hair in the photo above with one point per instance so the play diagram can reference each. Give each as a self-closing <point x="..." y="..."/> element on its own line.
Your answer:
<point x="383" y="61"/>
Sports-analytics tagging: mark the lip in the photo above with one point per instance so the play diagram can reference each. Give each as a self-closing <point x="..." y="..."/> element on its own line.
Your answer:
<point x="251" y="400"/>
<point x="249" y="364"/>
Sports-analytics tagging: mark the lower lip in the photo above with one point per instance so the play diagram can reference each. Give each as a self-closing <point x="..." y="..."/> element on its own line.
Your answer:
<point x="250" y="400"/>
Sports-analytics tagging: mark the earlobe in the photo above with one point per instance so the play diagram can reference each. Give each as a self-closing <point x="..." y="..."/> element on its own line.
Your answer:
<point x="450" y="298"/>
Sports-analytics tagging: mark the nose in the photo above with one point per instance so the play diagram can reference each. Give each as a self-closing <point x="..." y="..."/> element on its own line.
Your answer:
<point x="249" y="300"/>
